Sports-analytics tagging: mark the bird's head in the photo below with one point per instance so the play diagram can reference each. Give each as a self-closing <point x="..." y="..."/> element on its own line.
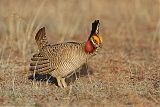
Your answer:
<point x="95" y="40"/>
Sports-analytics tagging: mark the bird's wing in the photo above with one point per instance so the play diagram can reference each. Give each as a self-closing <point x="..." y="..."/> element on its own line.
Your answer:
<point x="40" y="64"/>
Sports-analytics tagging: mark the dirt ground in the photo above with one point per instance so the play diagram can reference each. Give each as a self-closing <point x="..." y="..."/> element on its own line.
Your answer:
<point x="125" y="73"/>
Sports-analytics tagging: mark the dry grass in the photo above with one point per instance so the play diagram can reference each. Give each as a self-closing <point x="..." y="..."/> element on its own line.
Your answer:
<point x="125" y="73"/>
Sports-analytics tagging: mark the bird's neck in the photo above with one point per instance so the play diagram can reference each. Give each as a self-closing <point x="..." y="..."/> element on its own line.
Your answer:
<point x="89" y="48"/>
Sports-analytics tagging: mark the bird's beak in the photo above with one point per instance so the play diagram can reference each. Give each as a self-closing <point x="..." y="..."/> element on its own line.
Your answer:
<point x="100" y="38"/>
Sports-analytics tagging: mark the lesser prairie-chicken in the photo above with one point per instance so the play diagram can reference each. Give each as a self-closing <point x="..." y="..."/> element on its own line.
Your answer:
<point x="61" y="60"/>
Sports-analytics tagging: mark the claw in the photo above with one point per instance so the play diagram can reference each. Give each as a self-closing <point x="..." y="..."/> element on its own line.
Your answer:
<point x="61" y="82"/>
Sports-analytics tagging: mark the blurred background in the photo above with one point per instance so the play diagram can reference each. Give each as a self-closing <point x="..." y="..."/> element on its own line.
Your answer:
<point x="126" y="71"/>
<point x="134" y="20"/>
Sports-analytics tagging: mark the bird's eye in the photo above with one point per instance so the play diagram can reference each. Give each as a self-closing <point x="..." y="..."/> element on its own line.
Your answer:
<point x="95" y="41"/>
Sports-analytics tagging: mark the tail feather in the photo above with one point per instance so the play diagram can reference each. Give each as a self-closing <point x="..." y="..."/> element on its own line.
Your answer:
<point x="35" y="63"/>
<point x="38" y="59"/>
<point x="37" y="55"/>
<point x="36" y="67"/>
<point x="44" y="70"/>
<point x="41" y="71"/>
<point x="40" y="64"/>
<point x="41" y="38"/>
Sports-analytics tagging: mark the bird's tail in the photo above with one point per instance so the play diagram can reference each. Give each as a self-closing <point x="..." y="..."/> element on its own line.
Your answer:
<point x="41" y="38"/>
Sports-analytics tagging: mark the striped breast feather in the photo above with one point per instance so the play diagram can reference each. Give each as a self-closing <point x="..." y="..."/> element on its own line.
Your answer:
<point x="39" y="64"/>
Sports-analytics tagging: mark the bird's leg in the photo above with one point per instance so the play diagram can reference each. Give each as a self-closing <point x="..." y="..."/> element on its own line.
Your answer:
<point x="76" y="76"/>
<point x="63" y="82"/>
<point x="59" y="82"/>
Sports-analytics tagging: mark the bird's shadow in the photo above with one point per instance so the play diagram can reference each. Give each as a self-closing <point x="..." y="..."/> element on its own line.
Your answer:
<point x="84" y="70"/>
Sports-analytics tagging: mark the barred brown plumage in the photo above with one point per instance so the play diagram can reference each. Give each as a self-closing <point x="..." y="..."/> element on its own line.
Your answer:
<point x="63" y="59"/>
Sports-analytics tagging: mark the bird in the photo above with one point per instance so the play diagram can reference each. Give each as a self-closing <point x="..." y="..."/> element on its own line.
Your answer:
<point x="62" y="59"/>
